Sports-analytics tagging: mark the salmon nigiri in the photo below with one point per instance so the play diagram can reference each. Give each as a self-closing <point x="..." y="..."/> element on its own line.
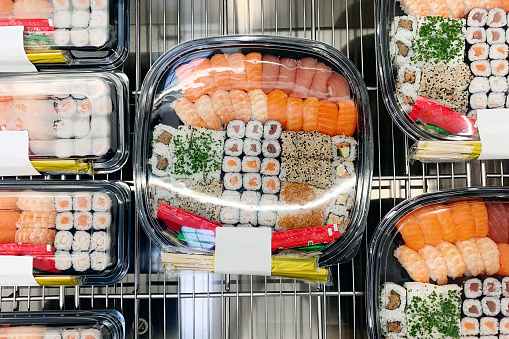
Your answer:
<point x="8" y="203"/>
<point x="239" y="75"/>
<point x="319" y="84"/>
<point x="444" y="217"/>
<point x="276" y="106"/>
<point x="347" y="118"/>
<point x="429" y="225"/>
<point x="480" y="214"/>
<point x="287" y="73"/>
<point x="6" y="7"/>
<point x="294" y="108"/>
<point x="413" y="263"/>
<point x="411" y="232"/>
<point x="7" y="234"/>
<point x="503" y="249"/>
<point x="310" y="114"/>
<point x="463" y="219"/>
<point x="270" y="72"/>
<point x="327" y="117"/>
<point x="222" y="71"/>
<point x="304" y="77"/>
<point x="8" y="219"/>
<point x="253" y="65"/>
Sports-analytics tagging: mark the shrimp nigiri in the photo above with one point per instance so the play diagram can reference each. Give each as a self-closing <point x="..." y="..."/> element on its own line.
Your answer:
<point x="413" y="263"/>
<point x="436" y="264"/>
<point x="258" y="101"/>
<point x="187" y="112"/>
<point x="489" y="254"/>
<point x="471" y="257"/>
<point x="453" y="259"/>
<point x="223" y="107"/>
<point x="205" y="109"/>
<point x="241" y="105"/>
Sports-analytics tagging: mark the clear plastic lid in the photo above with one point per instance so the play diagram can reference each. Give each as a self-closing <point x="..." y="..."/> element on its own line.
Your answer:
<point x="69" y="228"/>
<point x="102" y="324"/>
<point x="89" y="32"/>
<point x="80" y="116"/>
<point x="432" y="94"/>
<point x="434" y="259"/>
<point x="255" y="131"/>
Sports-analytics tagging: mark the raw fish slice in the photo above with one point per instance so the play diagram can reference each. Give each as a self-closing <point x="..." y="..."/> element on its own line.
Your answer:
<point x="8" y="219"/>
<point x="6" y="7"/>
<point x="338" y="87"/>
<point x="28" y="9"/>
<point x="489" y="253"/>
<point x="498" y="223"/>
<point x="304" y="77"/>
<point x="287" y="73"/>
<point x="327" y="117"/>
<point x="205" y="109"/>
<point x="187" y="112"/>
<point x="222" y="72"/>
<point x="223" y="106"/>
<point x="253" y="65"/>
<point x="270" y="72"/>
<point x="347" y="118"/>
<point x="480" y="214"/>
<point x="436" y="264"/>
<point x="185" y="74"/>
<point x="453" y="259"/>
<point x="463" y="219"/>
<point x="413" y="263"/>
<point x="7" y="234"/>
<point x="444" y="217"/>
<point x="471" y="257"/>
<point x="411" y="232"/>
<point x="8" y="204"/>
<point x="294" y="107"/>
<point x="319" y="87"/>
<point x="503" y="250"/>
<point x="438" y="8"/>
<point x="505" y="5"/>
<point x="204" y="82"/>
<point x="470" y="4"/>
<point x="310" y="114"/>
<point x="276" y="106"/>
<point x="239" y="75"/>
<point x="241" y="105"/>
<point x="415" y="7"/>
<point x="490" y="4"/>
<point x="430" y="227"/>
<point x="258" y="101"/>
<point x="456" y="8"/>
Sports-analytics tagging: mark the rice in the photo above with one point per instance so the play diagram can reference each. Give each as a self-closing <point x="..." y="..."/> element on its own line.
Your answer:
<point x="232" y="181"/>
<point x="101" y="220"/>
<point x="252" y="147"/>
<point x="63" y="260"/>
<point x="236" y="129"/>
<point x="101" y="241"/>
<point x="490" y="306"/>
<point x="473" y="288"/>
<point x="63" y="241"/>
<point x="233" y="147"/>
<point x="81" y="241"/>
<point x="254" y="129"/>
<point x="472" y="308"/>
<point x="64" y="221"/>
<point x="492" y="287"/>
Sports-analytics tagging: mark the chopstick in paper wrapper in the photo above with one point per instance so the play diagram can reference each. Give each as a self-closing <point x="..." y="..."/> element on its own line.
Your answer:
<point x="492" y="124"/>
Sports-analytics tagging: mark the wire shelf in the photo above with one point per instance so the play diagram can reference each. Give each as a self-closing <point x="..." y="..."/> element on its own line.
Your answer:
<point x="203" y="305"/>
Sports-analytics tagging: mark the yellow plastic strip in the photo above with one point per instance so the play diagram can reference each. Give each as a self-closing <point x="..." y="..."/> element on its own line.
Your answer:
<point x="65" y="280"/>
<point x="48" y="57"/>
<point x="70" y="166"/>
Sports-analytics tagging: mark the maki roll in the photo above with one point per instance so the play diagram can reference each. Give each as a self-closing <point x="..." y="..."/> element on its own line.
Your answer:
<point x="271" y="148"/>
<point x="247" y="216"/>
<point x="62" y="19"/>
<point x="496" y="99"/>
<point x="254" y="129"/>
<point x="99" y="19"/>
<point x="98" y="36"/>
<point x="64" y="221"/>
<point x="495" y="35"/>
<point x="63" y="260"/>
<point x="266" y="215"/>
<point x="475" y="35"/>
<point x="505" y="286"/>
<point x="411" y="75"/>
<point x="504" y="306"/>
<point x="272" y="129"/>
<point x="469" y="326"/>
<point x="478" y="101"/>
<point x="101" y="220"/>
<point x="270" y="166"/>
<point x="91" y="333"/>
<point x="229" y="215"/>
<point x="477" y="17"/>
<point x="491" y="287"/>
<point x="232" y="181"/>
<point x="488" y="326"/>
<point x="101" y="241"/>
<point x="490" y="306"/>
<point x="498" y="84"/>
<point x="481" y="68"/>
<point x="478" y="51"/>
<point x="82" y="221"/>
<point x="250" y="165"/>
<point x="62" y="37"/>
<point x="270" y="185"/>
<point x="497" y="17"/>
<point x="345" y="148"/>
<point x="81" y="241"/>
<point x="233" y="147"/>
<point x="101" y="202"/>
<point x="236" y="129"/>
<point x="231" y="164"/>
<point x="80" y="19"/>
<point x="250" y="197"/>
<point x="79" y="37"/>
<point x="392" y="297"/>
<point x="82" y="202"/>
<point x="499" y="67"/>
<point x="80" y="261"/>
<point x="473" y="288"/>
<point x="252" y="147"/>
<point x="81" y="128"/>
<point x="231" y="196"/>
<point x="83" y="108"/>
<point x="504" y="326"/>
<point x="343" y="169"/>
<point x="394" y="324"/>
<point x="63" y="241"/>
<point x="498" y="51"/>
<point x="100" y="127"/>
<point x="252" y="181"/>
<point x="472" y="308"/>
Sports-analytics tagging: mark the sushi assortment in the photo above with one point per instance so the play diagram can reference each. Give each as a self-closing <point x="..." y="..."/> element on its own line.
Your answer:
<point x="45" y="332"/>
<point x="76" y="225"/>
<point x="302" y="95"/>
<point x="64" y="119"/>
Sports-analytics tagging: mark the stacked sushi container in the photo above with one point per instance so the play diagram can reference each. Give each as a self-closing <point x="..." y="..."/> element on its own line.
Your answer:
<point x="263" y="134"/>
<point x="70" y="118"/>
<point x="103" y="324"/>
<point x="71" y="32"/>
<point x="76" y="229"/>
<point x="438" y="267"/>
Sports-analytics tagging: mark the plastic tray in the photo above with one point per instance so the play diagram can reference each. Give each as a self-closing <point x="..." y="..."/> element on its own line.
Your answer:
<point x="81" y="116"/>
<point x="94" y="33"/>
<point x="384" y="267"/>
<point x="83" y="227"/>
<point x="110" y="324"/>
<point x="161" y="89"/>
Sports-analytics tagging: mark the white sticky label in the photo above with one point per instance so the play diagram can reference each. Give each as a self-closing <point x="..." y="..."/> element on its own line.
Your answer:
<point x="17" y="271"/>
<point x="493" y="125"/>
<point x="243" y="251"/>
<point x="14" y="154"/>
<point x="12" y="53"/>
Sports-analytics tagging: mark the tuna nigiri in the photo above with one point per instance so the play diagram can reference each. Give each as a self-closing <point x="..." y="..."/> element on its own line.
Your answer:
<point x="319" y="84"/>
<point x="413" y="263"/>
<point x="222" y="72"/>
<point x="444" y="217"/>
<point x="239" y="75"/>
<point x="270" y="72"/>
<point x="453" y="259"/>
<point x="276" y="106"/>
<point x="253" y="65"/>
<point x="429" y="225"/>
<point x="294" y="108"/>
<point x="463" y="219"/>
<point x="480" y="214"/>
<point x="287" y="73"/>
<point x="347" y="118"/>
<point x="338" y="87"/>
<point x="411" y="232"/>
<point x="327" y="117"/>
<point x="304" y="77"/>
<point x="310" y="114"/>
<point x="498" y="223"/>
